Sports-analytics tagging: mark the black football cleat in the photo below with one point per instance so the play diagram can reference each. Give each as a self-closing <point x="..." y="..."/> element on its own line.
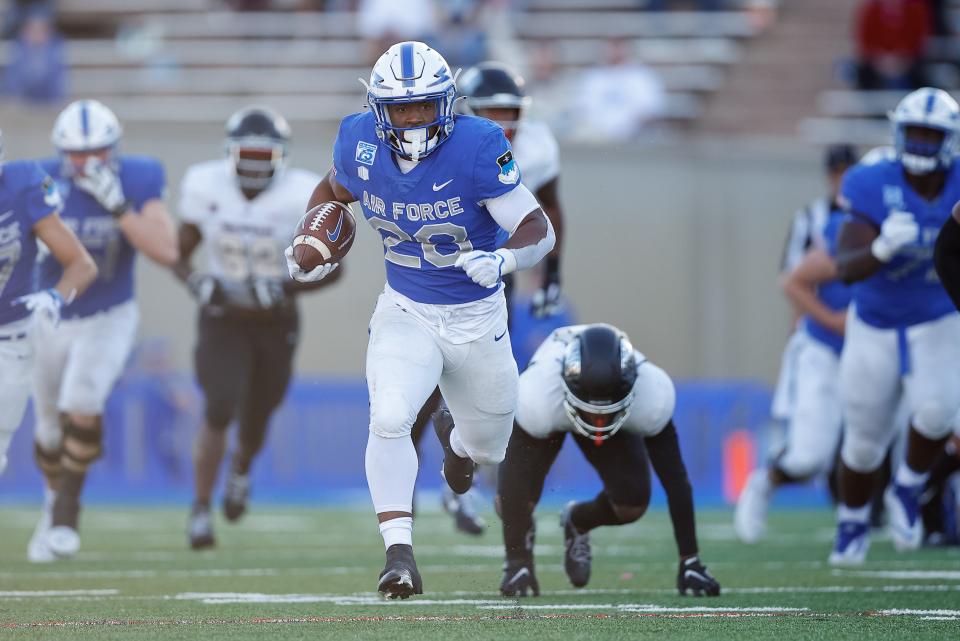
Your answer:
<point x="519" y="579"/>
<point x="200" y="528"/>
<point x="400" y="578"/>
<point x="457" y="471"/>
<point x="465" y="517"/>
<point x="576" y="558"/>
<point x="235" y="496"/>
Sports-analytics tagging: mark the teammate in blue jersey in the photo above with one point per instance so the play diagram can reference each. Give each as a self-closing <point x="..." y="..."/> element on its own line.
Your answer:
<point x="903" y="332"/>
<point x="439" y="188"/>
<point x="814" y="421"/>
<point x="114" y="204"/>
<point x="29" y="211"/>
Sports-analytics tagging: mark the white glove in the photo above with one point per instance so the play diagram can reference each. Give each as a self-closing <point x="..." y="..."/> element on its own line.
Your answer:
<point x="101" y="182"/>
<point x="898" y="230"/>
<point x="46" y="303"/>
<point x="545" y="301"/>
<point x="486" y="268"/>
<point x="313" y="276"/>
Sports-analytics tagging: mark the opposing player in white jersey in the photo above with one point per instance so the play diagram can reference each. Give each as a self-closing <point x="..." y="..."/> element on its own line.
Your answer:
<point x="30" y="206"/>
<point x="114" y="203"/>
<point x="589" y="382"/>
<point x="244" y="208"/>
<point x="439" y="188"/>
<point x="903" y="332"/>
<point x="807" y="398"/>
<point x="493" y="91"/>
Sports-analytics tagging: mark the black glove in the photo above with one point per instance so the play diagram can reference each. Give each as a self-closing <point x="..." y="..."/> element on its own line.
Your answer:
<point x="693" y="576"/>
<point x="546" y="299"/>
<point x="519" y="579"/>
<point x="268" y="292"/>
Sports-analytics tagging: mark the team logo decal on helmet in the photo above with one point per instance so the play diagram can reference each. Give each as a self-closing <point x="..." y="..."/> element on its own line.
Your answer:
<point x="931" y="109"/>
<point x="411" y="72"/>
<point x="599" y="372"/>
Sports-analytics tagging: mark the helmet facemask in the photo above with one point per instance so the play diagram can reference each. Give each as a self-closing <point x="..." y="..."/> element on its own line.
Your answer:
<point x="414" y="142"/>
<point x="599" y="371"/>
<point x="923" y="149"/>
<point x="256" y="161"/>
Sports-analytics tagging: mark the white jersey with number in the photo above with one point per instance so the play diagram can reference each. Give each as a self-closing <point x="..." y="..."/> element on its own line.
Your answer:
<point x="244" y="238"/>
<point x="537" y="153"/>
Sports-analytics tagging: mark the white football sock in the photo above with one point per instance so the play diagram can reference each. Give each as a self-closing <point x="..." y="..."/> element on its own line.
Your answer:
<point x="399" y="530"/>
<point x="910" y="478"/>
<point x="856" y="514"/>
<point x="457" y="445"/>
<point x="391" y="472"/>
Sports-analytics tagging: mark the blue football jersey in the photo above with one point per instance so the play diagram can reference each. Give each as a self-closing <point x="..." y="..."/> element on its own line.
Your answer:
<point x="428" y="216"/>
<point x="143" y="180"/>
<point x="905" y="291"/>
<point x="834" y="294"/>
<point x="27" y="194"/>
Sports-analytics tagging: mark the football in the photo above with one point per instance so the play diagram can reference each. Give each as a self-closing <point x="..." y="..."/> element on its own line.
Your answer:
<point x="324" y="235"/>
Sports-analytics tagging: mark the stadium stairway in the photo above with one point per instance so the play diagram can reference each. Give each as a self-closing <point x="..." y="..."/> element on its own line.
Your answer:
<point x="782" y="72"/>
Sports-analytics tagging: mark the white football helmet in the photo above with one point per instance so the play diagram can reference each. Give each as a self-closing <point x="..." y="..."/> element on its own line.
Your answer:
<point x="412" y="72"/>
<point x="932" y="109"/>
<point x="85" y="125"/>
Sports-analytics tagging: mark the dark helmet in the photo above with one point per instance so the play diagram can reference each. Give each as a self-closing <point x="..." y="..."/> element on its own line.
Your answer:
<point x="599" y="372"/>
<point x="257" y="139"/>
<point x="838" y="157"/>
<point x="492" y="84"/>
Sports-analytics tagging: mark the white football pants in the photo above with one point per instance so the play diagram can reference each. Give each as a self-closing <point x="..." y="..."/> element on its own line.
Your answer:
<point x="878" y="366"/>
<point x="78" y="363"/>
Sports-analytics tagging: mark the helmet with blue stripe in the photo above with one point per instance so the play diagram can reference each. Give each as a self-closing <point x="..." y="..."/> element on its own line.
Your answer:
<point x="85" y="126"/>
<point x="411" y="72"/>
<point x="926" y="108"/>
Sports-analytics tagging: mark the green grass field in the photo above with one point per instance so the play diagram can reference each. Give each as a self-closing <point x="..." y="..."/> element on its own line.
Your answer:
<point x="311" y="573"/>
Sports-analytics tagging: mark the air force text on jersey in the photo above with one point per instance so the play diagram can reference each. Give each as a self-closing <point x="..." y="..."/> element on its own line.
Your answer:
<point x="437" y="210"/>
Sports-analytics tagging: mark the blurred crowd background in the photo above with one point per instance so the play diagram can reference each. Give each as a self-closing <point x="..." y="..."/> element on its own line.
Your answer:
<point x="691" y="130"/>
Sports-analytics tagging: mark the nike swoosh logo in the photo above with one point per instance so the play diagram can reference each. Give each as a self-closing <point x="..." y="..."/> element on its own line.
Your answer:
<point x="332" y="237"/>
<point x="437" y="187"/>
<point x="497" y="338"/>
<point x="695" y="575"/>
<point x="520" y="573"/>
<point x="6" y="215"/>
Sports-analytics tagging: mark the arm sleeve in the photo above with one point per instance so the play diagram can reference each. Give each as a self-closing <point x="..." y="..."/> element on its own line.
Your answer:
<point x="496" y="171"/>
<point x="664" y="451"/>
<point x="946" y="258"/>
<point x="509" y="209"/>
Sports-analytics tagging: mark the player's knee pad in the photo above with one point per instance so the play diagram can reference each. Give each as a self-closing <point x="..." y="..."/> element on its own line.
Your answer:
<point x="860" y="454"/>
<point x="47" y="460"/>
<point x="82" y="444"/>
<point x="801" y="466"/>
<point x="392" y="420"/>
<point x="933" y="419"/>
<point x="628" y="513"/>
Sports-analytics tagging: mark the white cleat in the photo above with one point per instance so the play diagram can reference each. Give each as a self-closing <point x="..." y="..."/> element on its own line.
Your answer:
<point x="903" y="510"/>
<point x="750" y="516"/>
<point x="37" y="549"/>
<point x="851" y="545"/>
<point x="63" y="541"/>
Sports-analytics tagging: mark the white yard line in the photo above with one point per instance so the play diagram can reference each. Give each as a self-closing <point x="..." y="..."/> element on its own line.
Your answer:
<point x="949" y="575"/>
<point x="42" y="594"/>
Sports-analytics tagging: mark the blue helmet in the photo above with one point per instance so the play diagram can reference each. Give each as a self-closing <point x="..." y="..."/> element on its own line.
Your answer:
<point x="931" y="109"/>
<point x="411" y="72"/>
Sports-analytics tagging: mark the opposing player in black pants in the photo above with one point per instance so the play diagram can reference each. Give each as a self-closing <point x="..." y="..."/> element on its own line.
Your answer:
<point x="587" y="380"/>
<point x="245" y="208"/>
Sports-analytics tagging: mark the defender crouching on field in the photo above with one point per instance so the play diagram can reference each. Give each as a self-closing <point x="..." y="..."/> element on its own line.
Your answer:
<point x="588" y="379"/>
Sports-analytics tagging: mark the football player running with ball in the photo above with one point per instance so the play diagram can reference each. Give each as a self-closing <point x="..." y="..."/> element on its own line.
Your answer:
<point x="31" y="205"/>
<point x="243" y="207"/>
<point x="114" y="204"/>
<point x="588" y="381"/>
<point x="903" y="332"/>
<point x="439" y="189"/>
